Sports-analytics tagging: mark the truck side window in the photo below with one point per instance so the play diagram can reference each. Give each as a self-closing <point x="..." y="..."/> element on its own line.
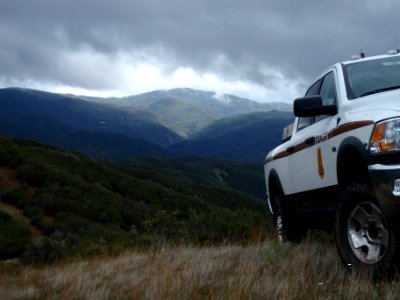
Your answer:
<point x="327" y="93"/>
<point x="304" y="122"/>
<point x="312" y="91"/>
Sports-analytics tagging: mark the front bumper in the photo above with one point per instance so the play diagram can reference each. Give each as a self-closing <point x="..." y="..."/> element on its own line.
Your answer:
<point x="383" y="178"/>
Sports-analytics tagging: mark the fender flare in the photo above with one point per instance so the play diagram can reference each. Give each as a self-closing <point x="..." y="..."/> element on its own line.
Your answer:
<point x="355" y="145"/>
<point x="273" y="175"/>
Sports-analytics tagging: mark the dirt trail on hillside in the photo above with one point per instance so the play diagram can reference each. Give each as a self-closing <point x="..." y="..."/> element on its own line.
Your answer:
<point x="8" y="181"/>
<point x="8" y="178"/>
<point x="18" y="214"/>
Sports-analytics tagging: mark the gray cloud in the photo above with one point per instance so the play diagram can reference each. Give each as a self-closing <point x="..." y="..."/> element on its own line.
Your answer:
<point x="42" y="40"/>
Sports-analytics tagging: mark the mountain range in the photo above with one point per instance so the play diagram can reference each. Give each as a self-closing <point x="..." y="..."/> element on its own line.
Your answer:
<point x="187" y="111"/>
<point x="170" y="123"/>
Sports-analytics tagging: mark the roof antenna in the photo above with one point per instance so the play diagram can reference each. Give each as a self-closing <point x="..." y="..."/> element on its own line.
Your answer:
<point x="362" y="54"/>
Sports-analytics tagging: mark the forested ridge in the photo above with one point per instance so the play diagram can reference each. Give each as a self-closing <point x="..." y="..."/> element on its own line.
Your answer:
<point x="82" y="206"/>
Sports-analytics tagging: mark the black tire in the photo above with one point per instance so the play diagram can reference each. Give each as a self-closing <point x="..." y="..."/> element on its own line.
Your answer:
<point x="365" y="240"/>
<point x="286" y="221"/>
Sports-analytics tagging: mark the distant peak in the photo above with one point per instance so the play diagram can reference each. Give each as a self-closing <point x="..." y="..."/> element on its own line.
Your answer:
<point x="223" y="98"/>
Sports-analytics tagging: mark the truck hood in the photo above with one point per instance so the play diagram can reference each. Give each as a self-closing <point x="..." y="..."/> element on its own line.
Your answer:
<point x="378" y="106"/>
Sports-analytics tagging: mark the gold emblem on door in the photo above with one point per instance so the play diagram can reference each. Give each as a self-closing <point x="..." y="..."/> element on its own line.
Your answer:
<point x="321" y="170"/>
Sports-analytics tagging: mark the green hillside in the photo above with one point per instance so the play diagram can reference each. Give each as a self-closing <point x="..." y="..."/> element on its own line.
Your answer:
<point x="245" y="138"/>
<point x="222" y="173"/>
<point x="177" y="113"/>
<point x="111" y="146"/>
<point x="79" y="206"/>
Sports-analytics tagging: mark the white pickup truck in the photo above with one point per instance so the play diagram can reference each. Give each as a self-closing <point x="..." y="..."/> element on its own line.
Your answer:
<point x="340" y="166"/>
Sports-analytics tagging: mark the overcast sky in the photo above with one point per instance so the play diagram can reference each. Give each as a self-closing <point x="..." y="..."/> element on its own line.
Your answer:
<point x="265" y="50"/>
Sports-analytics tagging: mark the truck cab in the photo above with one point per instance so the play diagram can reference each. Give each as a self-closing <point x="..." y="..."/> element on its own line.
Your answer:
<point x="339" y="167"/>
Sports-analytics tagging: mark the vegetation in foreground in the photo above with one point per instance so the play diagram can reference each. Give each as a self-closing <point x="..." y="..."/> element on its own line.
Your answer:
<point x="267" y="270"/>
<point x="56" y="204"/>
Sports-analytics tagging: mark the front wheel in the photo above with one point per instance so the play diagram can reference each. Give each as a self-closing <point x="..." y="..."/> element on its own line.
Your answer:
<point x="364" y="238"/>
<point x="286" y="222"/>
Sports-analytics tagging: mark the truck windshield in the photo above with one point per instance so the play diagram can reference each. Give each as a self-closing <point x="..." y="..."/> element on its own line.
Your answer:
<point x="370" y="77"/>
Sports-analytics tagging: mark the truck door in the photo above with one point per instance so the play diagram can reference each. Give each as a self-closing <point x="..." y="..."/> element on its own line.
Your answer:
<point x="312" y="159"/>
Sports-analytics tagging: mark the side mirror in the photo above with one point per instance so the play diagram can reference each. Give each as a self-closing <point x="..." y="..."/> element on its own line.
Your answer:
<point x="312" y="106"/>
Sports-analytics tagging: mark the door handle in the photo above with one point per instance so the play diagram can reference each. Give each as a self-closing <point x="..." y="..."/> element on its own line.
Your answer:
<point x="290" y="149"/>
<point x="310" y="141"/>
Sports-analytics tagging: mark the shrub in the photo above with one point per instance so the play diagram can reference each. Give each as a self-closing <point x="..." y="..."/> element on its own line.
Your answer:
<point x="43" y="250"/>
<point x="5" y="157"/>
<point x="50" y="249"/>
<point x="4" y="217"/>
<point x="39" y="221"/>
<point x="14" y="237"/>
<point x="54" y="199"/>
<point x="30" y="211"/>
<point x="165" y="224"/>
<point x="17" y="197"/>
<point x="36" y="174"/>
<point x="72" y="223"/>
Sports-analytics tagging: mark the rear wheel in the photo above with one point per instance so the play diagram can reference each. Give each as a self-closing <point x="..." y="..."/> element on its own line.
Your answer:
<point x="364" y="238"/>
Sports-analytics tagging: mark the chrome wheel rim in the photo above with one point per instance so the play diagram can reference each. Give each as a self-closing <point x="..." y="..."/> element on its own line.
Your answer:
<point x="279" y="228"/>
<point x="368" y="233"/>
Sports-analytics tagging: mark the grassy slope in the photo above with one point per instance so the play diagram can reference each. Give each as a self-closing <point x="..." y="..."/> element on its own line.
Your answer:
<point x="311" y="270"/>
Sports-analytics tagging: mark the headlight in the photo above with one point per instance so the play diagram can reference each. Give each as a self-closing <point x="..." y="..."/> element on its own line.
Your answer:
<point x="386" y="136"/>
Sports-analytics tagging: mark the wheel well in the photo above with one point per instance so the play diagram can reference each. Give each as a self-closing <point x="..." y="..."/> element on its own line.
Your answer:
<point x="351" y="168"/>
<point x="274" y="187"/>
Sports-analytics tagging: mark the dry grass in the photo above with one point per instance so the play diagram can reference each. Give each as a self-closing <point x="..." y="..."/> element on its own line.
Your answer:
<point x="268" y="270"/>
